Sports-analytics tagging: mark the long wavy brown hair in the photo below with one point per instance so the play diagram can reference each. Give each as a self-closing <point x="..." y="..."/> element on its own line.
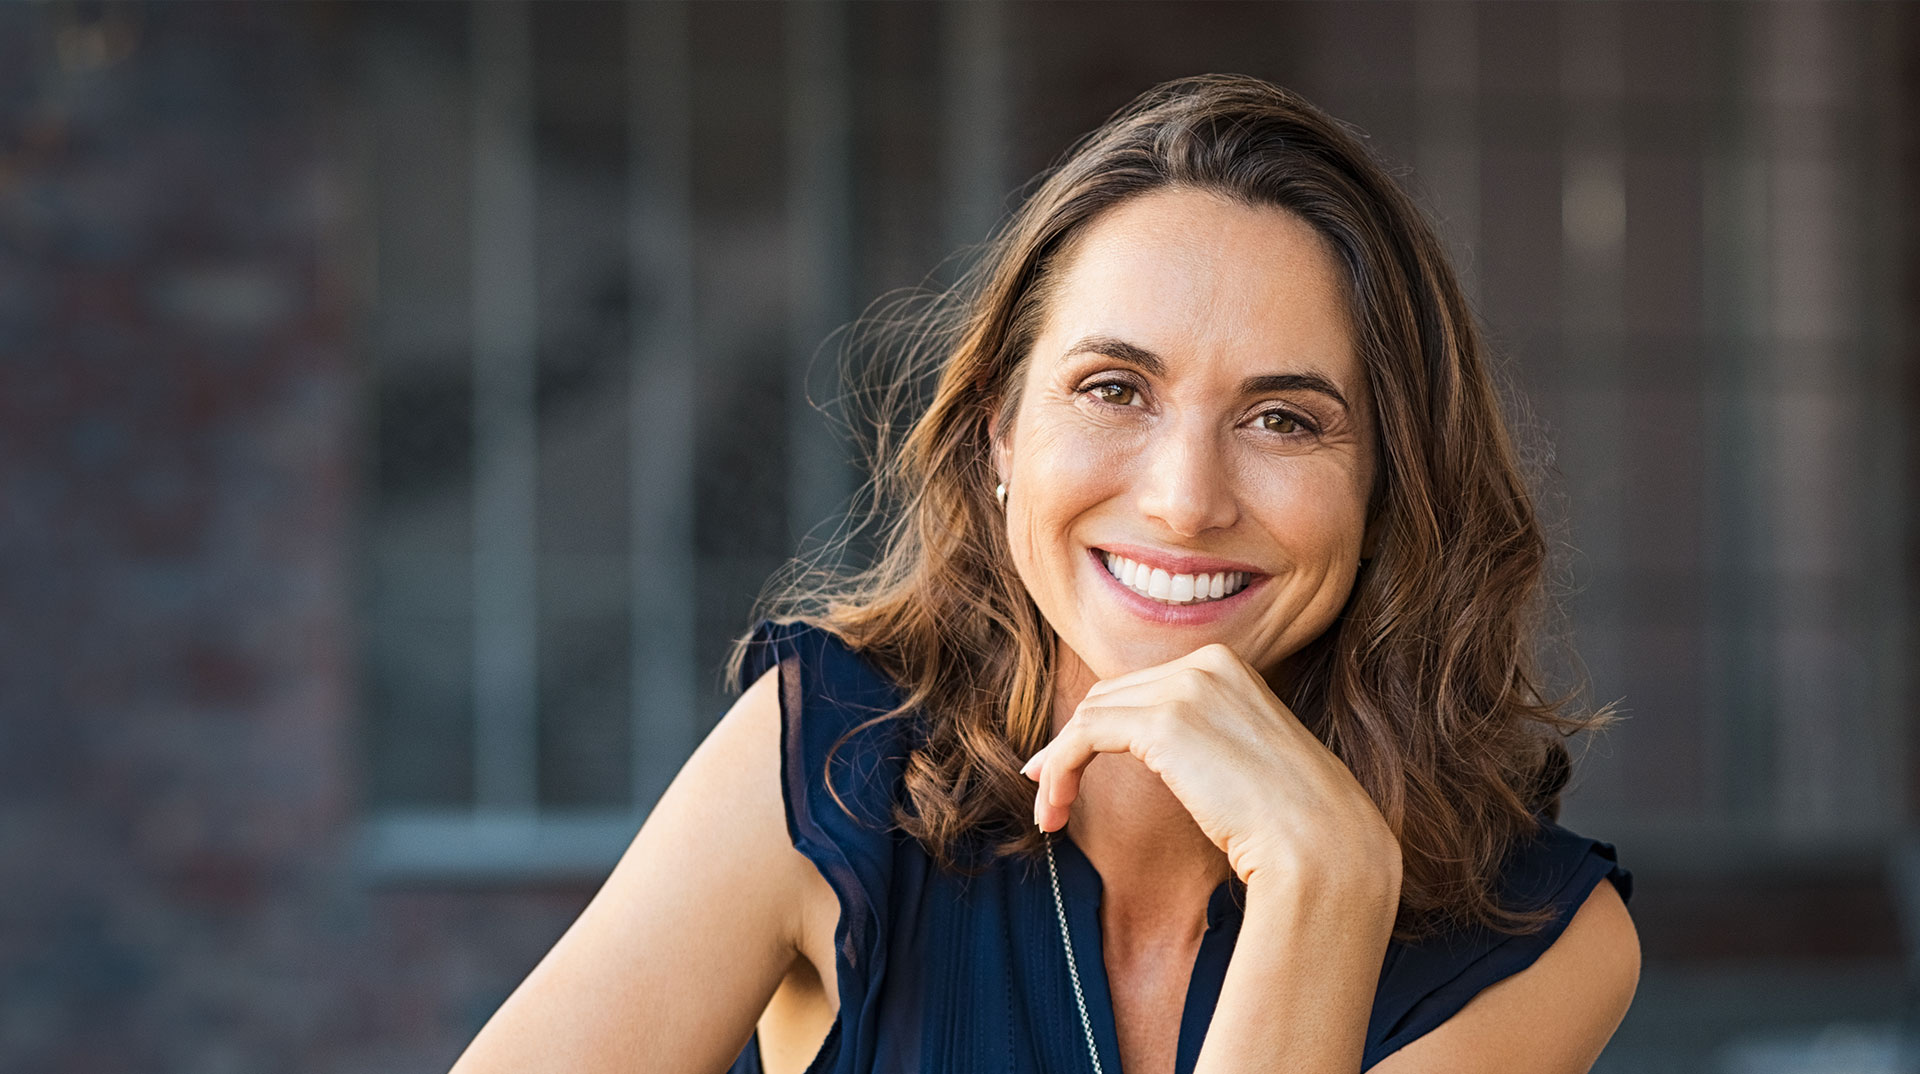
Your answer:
<point x="1427" y="686"/>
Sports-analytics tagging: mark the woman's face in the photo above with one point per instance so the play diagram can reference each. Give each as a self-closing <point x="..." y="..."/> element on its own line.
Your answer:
<point x="1193" y="407"/>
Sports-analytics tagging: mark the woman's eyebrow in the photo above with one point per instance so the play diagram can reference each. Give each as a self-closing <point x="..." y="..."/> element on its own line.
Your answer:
<point x="1156" y="365"/>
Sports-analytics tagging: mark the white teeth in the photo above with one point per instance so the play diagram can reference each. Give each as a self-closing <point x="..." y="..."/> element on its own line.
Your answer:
<point x="1182" y="589"/>
<point x="1168" y="588"/>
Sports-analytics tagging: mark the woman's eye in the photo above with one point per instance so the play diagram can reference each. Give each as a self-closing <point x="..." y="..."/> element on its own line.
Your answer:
<point x="1279" y="421"/>
<point x="1114" y="392"/>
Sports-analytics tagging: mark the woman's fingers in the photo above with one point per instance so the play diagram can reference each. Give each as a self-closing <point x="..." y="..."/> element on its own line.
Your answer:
<point x="1217" y="658"/>
<point x="1092" y="731"/>
<point x="1126" y="713"/>
<point x="1258" y="783"/>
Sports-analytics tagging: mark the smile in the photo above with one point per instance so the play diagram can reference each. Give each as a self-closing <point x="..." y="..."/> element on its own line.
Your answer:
<point x="1158" y="585"/>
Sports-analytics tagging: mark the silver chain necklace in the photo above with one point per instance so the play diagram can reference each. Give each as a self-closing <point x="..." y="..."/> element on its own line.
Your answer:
<point x="1073" y="969"/>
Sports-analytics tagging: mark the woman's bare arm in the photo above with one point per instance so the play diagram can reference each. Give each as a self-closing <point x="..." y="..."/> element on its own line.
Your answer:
<point x="670" y="965"/>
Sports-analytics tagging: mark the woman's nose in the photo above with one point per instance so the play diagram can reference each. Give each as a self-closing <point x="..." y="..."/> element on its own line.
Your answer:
<point x="1186" y="484"/>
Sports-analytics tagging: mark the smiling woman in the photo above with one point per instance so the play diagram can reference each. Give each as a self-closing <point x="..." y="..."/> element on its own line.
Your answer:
<point x="1187" y="394"/>
<point x="1213" y="523"/>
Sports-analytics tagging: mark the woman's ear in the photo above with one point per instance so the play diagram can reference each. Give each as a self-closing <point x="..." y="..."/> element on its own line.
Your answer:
<point x="1002" y="455"/>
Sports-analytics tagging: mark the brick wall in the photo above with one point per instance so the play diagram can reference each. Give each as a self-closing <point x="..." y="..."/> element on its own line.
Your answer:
<point x="179" y="398"/>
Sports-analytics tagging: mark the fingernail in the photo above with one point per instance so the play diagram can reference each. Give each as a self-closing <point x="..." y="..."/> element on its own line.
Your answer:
<point x="1032" y="762"/>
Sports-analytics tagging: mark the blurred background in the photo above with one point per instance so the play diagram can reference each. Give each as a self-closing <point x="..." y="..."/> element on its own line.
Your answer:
<point x="401" y="407"/>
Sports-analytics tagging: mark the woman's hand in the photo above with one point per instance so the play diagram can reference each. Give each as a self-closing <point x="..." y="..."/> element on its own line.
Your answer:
<point x="1257" y="782"/>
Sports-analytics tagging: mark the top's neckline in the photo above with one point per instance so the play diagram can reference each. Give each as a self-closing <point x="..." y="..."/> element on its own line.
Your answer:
<point x="1081" y="882"/>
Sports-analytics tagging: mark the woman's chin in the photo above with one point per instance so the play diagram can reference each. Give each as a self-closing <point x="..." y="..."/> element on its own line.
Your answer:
<point x="1115" y="657"/>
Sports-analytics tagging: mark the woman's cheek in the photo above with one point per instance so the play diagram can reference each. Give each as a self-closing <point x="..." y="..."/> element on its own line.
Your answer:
<point x="1083" y="453"/>
<point x="1318" y="496"/>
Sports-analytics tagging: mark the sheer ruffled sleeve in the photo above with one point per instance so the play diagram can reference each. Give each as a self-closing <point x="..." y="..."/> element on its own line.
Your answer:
<point x="827" y="693"/>
<point x="1423" y="985"/>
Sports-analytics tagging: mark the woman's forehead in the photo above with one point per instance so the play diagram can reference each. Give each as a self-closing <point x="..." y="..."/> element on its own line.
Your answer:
<point x="1196" y="277"/>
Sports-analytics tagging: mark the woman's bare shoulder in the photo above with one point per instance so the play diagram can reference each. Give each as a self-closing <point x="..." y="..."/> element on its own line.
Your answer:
<point x="675" y="958"/>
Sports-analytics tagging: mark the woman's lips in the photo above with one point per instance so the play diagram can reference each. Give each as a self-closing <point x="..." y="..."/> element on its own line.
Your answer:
<point x="1177" y="562"/>
<point x="1172" y="614"/>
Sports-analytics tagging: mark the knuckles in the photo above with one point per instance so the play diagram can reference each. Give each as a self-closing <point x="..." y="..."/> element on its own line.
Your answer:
<point x="1195" y="678"/>
<point x="1217" y="657"/>
<point x="1164" y="720"/>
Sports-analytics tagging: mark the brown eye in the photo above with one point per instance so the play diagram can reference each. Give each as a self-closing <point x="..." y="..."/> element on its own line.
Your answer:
<point x="1114" y="392"/>
<point x="1279" y="421"/>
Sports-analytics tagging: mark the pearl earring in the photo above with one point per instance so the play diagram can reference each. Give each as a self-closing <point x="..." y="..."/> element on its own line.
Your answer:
<point x="1000" y="493"/>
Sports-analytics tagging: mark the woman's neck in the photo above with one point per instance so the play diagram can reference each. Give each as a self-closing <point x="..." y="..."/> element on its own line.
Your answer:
<point x="1157" y="868"/>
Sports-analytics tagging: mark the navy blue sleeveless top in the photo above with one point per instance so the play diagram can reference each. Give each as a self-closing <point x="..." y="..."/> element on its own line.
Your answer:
<point x="939" y="972"/>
